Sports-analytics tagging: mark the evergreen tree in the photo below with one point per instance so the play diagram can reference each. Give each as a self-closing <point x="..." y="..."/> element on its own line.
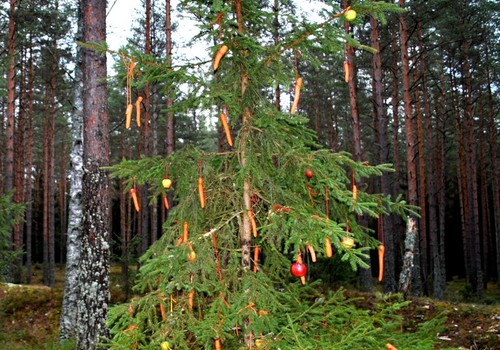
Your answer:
<point x="221" y="271"/>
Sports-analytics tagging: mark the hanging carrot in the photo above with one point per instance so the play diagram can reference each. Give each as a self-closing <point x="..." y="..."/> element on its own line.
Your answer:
<point x="354" y="192"/>
<point x="298" y="86"/>
<point x="223" y="119"/>
<point x="162" y="311"/>
<point x="253" y="224"/>
<point x="312" y="252"/>
<point x="256" y="251"/>
<point x="217" y="344"/>
<point x="381" y="252"/>
<point x="128" y="115"/>
<point x="389" y="346"/>
<point x="133" y="194"/>
<point x="218" y="56"/>
<point x="201" y="191"/>
<point x="185" y="231"/>
<point x="347" y="68"/>
<point x="328" y="248"/>
<point x="165" y="202"/>
<point x="138" y="110"/>
<point x="191" y="299"/>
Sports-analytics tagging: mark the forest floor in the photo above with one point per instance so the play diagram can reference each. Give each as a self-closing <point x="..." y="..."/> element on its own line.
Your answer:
<point x="29" y="315"/>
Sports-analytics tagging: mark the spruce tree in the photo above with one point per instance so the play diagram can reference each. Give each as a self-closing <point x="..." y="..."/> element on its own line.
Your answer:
<point x="244" y="217"/>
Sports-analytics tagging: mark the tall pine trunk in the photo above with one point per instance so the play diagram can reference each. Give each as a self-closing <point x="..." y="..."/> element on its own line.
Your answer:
<point x="93" y="301"/>
<point x="409" y="281"/>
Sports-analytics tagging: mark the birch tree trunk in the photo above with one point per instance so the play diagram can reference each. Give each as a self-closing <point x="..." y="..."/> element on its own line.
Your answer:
<point x="93" y="301"/>
<point x="67" y="328"/>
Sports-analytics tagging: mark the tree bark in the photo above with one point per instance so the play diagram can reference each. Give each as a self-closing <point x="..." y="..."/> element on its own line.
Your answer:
<point x="69" y="310"/>
<point x="410" y="268"/>
<point x="170" y="100"/>
<point x="95" y="250"/>
<point x="11" y="89"/>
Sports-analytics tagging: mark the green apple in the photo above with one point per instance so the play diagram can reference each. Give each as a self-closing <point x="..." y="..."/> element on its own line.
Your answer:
<point x="350" y="15"/>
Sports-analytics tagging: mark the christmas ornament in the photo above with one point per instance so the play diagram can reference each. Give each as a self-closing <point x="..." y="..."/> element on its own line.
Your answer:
<point x="350" y="15"/>
<point x="309" y="173"/>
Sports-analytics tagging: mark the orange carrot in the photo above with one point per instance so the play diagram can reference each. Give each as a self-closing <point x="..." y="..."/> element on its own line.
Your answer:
<point x="185" y="231"/>
<point x="298" y="86"/>
<point x="191" y="299"/>
<point x="128" y="115"/>
<point x="133" y="194"/>
<point x="381" y="251"/>
<point x="354" y="192"/>
<point x="165" y="201"/>
<point x="312" y="252"/>
<point x="217" y="344"/>
<point x="347" y="67"/>
<point x="162" y="311"/>
<point x="218" y="56"/>
<point x="201" y="191"/>
<point x="223" y="119"/>
<point x="256" y="251"/>
<point x="138" y="110"/>
<point x="389" y="346"/>
<point x="328" y="248"/>
<point x="253" y="224"/>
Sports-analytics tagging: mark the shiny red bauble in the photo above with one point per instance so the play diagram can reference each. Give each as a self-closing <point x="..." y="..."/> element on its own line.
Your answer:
<point x="309" y="173"/>
<point x="298" y="269"/>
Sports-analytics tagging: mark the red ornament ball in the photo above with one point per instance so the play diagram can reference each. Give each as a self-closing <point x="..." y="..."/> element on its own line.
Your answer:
<point x="309" y="173"/>
<point x="298" y="269"/>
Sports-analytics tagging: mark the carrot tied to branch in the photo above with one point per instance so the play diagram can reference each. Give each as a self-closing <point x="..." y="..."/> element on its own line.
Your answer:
<point x="128" y="115"/>
<point x="133" y="194"/>
<point x="381" y="252"/>
<point x="223" y="120"/>
<point x="311" y="251"/>
<point x="389" y="346"/>
<point x="347" y="71"/>
<point x="201" y="191"/>
<point x="221" y="52"/>
<point x="328" y="247"/>
<point x="296" y="98"/>
<point x="256" y="252"/>
<point x="138" y="110"/>
<point x="253" y="224"/>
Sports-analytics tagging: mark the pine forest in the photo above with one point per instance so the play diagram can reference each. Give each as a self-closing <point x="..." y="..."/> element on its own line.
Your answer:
<point x="249" y="174"/>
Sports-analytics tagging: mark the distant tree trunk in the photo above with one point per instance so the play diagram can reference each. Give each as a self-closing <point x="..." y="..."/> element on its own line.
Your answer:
<point x="276" y="37"/>
<point x="11" y="90"/>
<point x="48" y="182"/>
<point x="411" y="268"/>
<point x="170" y="100"/>
<point x="19" y="171"/>
<point x="495" y="182"/>
<point x="441" y="177"/>
<point x="29" y="170"/>
<point x="365" y="275"/>
<point x="63" y="184"/>
<point x="471" y="185"/>
<point x="387" y="236"/>
<point x="93" y="301"/>
<point x="393" y="257"/>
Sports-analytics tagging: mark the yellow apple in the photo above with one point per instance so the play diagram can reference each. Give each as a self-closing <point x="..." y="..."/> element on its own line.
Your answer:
<point x="165" y="345"/>
<point x="166" y="182"/>
<point x="350" y="15"/>
<point x="347" y="242"/>
<point x="191" y="255"/>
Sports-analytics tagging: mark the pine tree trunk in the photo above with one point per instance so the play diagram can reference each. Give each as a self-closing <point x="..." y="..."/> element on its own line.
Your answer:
<point x="170" y="100"/>
<point x="410" y="268"/>
<point x="495" y="184"/>
<point x="93" y="301"/>
<point x="29" y="171"/>
<point x="483" y="195"/>
<point x="387" y="236"/>
<point x="11" y="86"/>
<point x="19" y="172"/>
<point x="471" y="168"/>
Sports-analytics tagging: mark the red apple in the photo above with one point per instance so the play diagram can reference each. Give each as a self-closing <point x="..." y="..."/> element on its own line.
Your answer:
<point x="309" y="173"/>
<point x="298" y="269"/>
